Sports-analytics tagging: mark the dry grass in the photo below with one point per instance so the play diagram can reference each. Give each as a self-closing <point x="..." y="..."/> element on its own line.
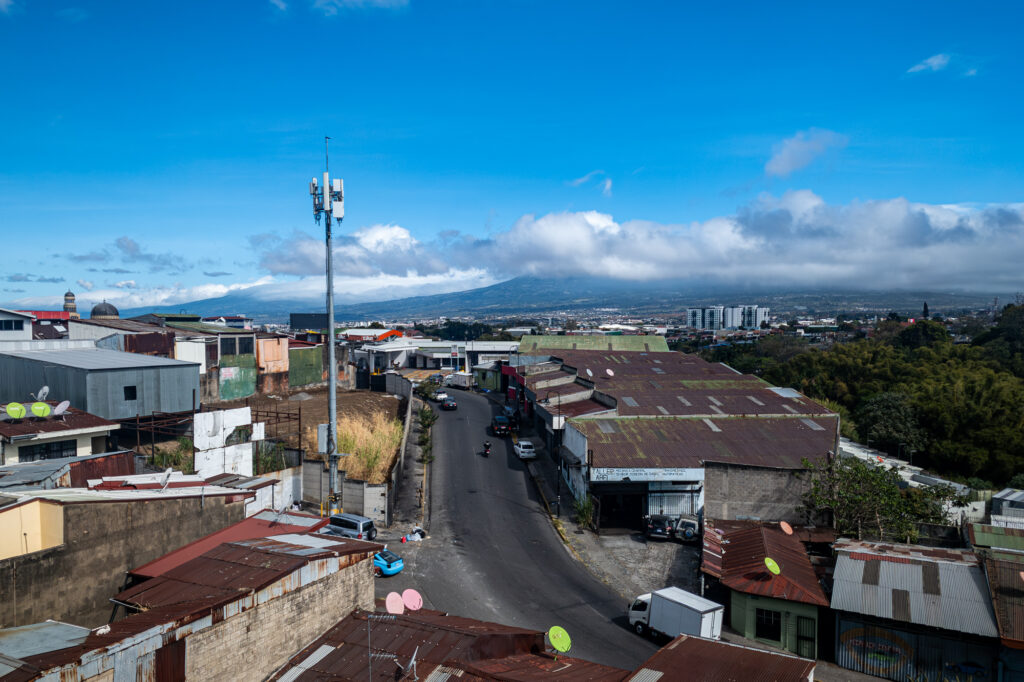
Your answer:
<point x="371" y="440"/>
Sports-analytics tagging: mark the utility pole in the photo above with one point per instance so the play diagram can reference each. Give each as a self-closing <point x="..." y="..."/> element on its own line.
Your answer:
<point x="329" y="200"/>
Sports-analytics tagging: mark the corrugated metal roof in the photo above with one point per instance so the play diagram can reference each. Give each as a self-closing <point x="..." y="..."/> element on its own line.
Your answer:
<point x="72" y="419"/>
<point x="1005" y="586"/>
<point x="37" y="638"/>
<point x="264" y="524"/>
<point x="983" y="535"/>
<point x="668" y="442"/>
<point x="737" y="558"/>
<point x="649" y="344"/>
<point x="96" y="359"/>
<point x="707" y="660"/>
<point x="459" y="648"/>
<point x="900" y="582"/>
<point x="79" y="495"/>
<point x="133" y="326"/>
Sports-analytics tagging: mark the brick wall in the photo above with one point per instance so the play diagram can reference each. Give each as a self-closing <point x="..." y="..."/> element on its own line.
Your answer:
<point x="102" y="542"/>
<point x="739" y="492"/>
<point x="255" y="643"/>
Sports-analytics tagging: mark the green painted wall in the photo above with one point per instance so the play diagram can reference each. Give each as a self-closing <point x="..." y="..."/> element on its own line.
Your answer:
<point x="237" y="376"/>
<point x="305" y="366"/>
<point x="742" y="618"/>
<point x="491" y="380"/>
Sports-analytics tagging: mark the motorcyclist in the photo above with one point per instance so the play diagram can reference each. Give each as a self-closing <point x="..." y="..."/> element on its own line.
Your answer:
<point x="487" y="447"/>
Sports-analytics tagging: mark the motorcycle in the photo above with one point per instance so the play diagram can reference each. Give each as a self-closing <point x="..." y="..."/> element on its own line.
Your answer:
<point x="487" y="448"/>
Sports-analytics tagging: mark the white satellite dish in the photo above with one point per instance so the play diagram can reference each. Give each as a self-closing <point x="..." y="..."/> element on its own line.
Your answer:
<point x="590" y="374"/>
<point x="166" y="479"/>
<point x="610" y="373"/>
<point x="41" y="395"/>
<point x="61" y="409"/>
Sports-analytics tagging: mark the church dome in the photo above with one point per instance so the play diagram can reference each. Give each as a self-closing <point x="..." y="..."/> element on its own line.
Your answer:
<point x="104" y="311"/>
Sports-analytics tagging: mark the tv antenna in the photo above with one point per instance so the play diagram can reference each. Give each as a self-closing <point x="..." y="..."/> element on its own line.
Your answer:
<point x="280" y="513"/>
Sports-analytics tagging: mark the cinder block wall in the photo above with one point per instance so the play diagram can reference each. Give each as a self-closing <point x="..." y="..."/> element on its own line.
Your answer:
<point x="255" y="643"/>
<point x="737" y="492"/>
<point x="102" y="542"/>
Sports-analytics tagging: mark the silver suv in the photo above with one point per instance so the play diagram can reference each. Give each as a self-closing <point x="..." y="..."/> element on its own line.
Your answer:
<point x="353" y="526"/>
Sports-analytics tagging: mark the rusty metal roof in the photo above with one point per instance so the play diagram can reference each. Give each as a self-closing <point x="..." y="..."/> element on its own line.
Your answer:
<point x="737" y="558"/>
<point x="1004" y="582"/>
<point x="707" y="660"/>
<point x="939" y="588"/>
<point x="470" y="649"/>
<point x="132" y="326"/>
<point x="233" y="569"/>
<point x="71" y="420"/>
<point x="983" y="535"/>
<point x="668" y="442"/>
<point x="261" y="525"/>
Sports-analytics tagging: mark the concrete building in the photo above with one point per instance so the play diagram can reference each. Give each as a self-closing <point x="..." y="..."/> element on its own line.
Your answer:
<point x="718" y="317"/>
<point x="15" y="326"/>
<point x="106" y="383"/>
<point x="72" y="434"/>
<point x="96" y="536"/>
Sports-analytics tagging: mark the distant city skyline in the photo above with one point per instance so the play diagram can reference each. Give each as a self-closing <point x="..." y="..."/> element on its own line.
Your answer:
<point x="154" y="156"/>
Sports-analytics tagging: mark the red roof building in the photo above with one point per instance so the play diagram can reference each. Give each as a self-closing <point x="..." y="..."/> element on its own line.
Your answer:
<point x="708" y="660"/>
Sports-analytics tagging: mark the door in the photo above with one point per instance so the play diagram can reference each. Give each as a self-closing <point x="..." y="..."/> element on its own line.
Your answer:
<point x="806" y="631"/>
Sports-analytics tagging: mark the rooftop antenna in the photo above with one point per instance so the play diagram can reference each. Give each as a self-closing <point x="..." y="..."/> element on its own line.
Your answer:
<point x="280" y="513"/>
<point x="410" y="665"/>
<point x="329" y="200"/>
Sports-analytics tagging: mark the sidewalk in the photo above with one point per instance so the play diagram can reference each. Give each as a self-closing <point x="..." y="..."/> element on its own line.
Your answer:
<point x="411" y="500"/>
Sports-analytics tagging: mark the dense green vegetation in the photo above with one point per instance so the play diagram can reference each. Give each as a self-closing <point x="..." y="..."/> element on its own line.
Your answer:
<point x="454" y="330"/>
<point x="957" y="410"/>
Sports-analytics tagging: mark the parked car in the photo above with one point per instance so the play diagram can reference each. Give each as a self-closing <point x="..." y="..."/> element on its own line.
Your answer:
<point x="500" y="426"/>
<point x="686" y="528"/>
<point x="439" y="395"/>
<point x="353" y="526"/>
<point x="524" y="449"/>
<point x="386" y="562"/>
<point x="658" y="526"/>
<point x="449" y="403"/>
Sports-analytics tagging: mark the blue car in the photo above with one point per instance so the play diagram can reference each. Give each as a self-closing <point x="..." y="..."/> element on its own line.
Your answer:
<point x="386" y="562"/>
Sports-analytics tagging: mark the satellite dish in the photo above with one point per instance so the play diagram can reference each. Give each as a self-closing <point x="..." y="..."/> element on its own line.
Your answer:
<point x="61" y="409"/>
<point x="15" y="410"/>
<point x="610" y="373"/>
<point x="1021" y="575"/>
<point x="559" y="638"/>
<point x="412" y="599"/>
<point x="41" y="410"/>
<point x="394" y="604"/>
<point x="590" y="374"/>
<point x="165" y="479"/>
<point x="772" y="565"/>
<point x="43" y="392"/>
<point x="786" y="528"/>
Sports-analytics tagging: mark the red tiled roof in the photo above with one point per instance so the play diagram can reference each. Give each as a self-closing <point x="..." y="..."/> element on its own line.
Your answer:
<point x="737" y="557"/>
<point x="252" y="527"/>
<point x="707" y="660"/>
<point x="72" y="419"/>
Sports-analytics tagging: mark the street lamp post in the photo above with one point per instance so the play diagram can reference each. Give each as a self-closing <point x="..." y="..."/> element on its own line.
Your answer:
<point x="329" y="200"/>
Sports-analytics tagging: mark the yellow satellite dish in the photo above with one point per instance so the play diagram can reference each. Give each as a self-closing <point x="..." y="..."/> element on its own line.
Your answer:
<point x="41" y="409"/>
<point x="15" y="410"/>
<point x="772" y="566"/>
<point x="559" y="638"/>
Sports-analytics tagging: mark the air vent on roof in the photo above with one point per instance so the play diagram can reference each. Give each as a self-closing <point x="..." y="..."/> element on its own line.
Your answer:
<point x="785" y="392"/>
<point x="629" y="401"/>
<point x="814" y="425"/>
<point x="662" y="410"/>
<point x="684" y="401"/>
<point x="657" y="361"/>
<point x="714" y="401"/>
<point x="606" y="426"/>
<point x="658" y="370"/>
<point x="790" y="409"/>
<point x="712" y="425"/>
<point x="755" y="400"/>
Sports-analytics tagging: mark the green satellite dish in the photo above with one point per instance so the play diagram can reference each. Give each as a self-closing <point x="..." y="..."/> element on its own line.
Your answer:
<point x="41" y="409"/>
<point x="772" y="566"/>
<point x="15" y="410"/>
<point x="559" y="638"/>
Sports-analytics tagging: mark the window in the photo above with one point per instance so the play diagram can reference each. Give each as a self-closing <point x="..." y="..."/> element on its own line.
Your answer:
<point x="769" y="625"/>
<point x="639" y="605"/>
<point x="19" y="325"/>
<point x="129" y="393"/>
<point x="228" y="346"/>
<point x="245" y="346"/>
<point x="61" y="448"/>
<point x="12" y="325"/>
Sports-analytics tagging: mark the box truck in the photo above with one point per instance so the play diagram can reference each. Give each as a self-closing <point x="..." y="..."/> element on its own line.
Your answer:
<point x="463" y="380"/>
<point x="671" y="611"/>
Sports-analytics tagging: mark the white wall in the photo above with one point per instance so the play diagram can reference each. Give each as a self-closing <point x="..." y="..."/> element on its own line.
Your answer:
<point x="191" y="351"/>
<point x="10" y="319"/>
<point x="233" y="459"/>
<point x="210" y="432"/>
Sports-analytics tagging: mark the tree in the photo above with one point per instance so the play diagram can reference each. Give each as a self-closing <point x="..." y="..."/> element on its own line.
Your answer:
<point x="890" y="421"/>
<point x="922" y="333"/>
<point x="924" y="311"/>
<point x="867" y="501"/>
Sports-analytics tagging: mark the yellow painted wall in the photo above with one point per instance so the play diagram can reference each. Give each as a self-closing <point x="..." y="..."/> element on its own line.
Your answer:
<point x="272" y="355"/>
<point x="30" y="527"/>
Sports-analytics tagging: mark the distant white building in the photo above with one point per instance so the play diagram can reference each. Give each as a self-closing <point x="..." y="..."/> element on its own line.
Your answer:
<point x="15" y="326"/>
<point x="722" y="317"/>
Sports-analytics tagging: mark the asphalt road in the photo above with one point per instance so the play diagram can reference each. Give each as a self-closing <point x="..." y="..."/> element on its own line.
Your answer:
<point x="493" y="555"/>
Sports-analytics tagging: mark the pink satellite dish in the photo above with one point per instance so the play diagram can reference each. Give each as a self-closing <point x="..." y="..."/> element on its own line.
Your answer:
<point x="394" y="604"/>
<point x="786" y="528"/>
<point x="1022" y="575"/>
<point x="412" y="599"/>
<point x="610" y="372"/>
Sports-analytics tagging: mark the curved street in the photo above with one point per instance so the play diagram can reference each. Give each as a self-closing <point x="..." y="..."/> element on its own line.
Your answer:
<point x="492" y="553"/>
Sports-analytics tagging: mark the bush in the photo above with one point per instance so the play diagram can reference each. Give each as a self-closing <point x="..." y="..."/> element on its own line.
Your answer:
<point x="1017" y="482"/>
<point x="584" y="510"/>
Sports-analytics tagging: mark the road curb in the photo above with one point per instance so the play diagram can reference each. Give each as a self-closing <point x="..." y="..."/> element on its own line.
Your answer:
<point x="557" y="526"/>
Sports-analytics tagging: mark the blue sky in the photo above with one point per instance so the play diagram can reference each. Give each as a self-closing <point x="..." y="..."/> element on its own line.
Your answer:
<point x="159" y="153"/>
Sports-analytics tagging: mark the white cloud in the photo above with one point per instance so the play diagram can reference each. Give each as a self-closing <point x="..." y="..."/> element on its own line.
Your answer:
<point x="800" y="150"/>
<point x="331" y="8"/>
<point x="936" y="62"/>
<point x="86" y="284"/>
<point x="6" y="6"/>
<point x="126" y="284"/>
<point x="605" y="184"/>
<point x="586" y="178"/>
<point x="280" y="4"/>
<point x="606" y="187"/>
<point x="381" y="238"/>
<point x="970" y="72"/>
